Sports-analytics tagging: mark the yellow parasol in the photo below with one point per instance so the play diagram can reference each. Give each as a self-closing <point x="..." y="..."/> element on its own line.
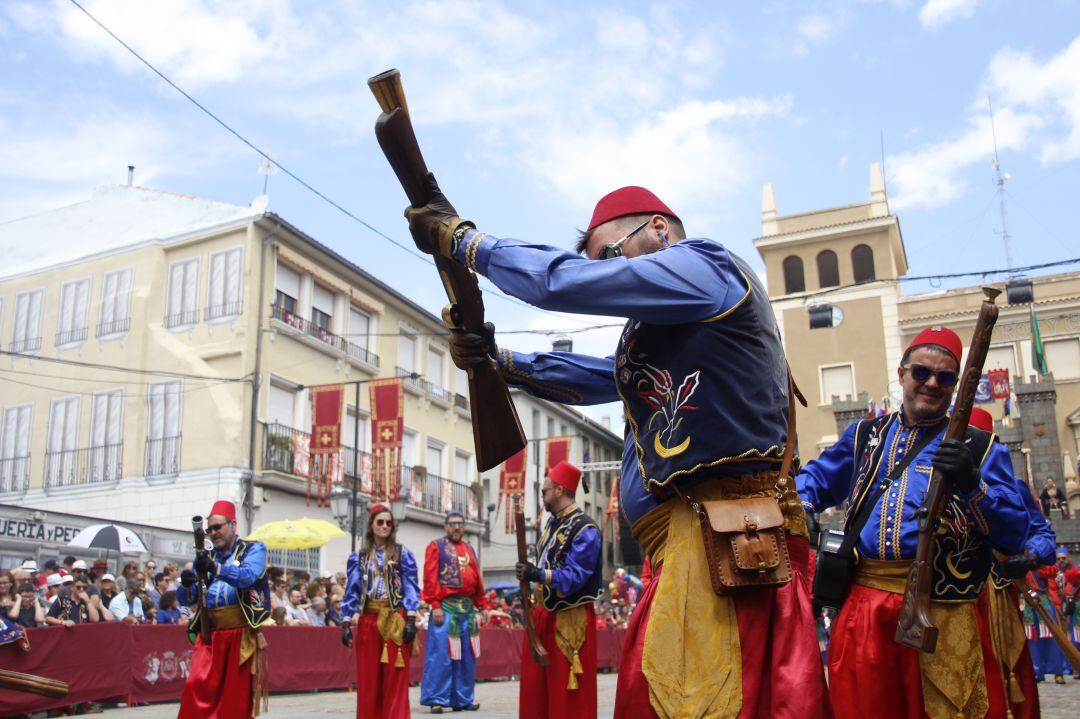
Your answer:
<point x="321" y="526"/>
<point x="293" y="534"/>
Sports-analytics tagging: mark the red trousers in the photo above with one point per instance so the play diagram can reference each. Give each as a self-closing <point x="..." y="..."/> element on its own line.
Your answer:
<point x="218" y="686"/>
<point x="871" y="675"/>
<point x="382" y="690"/>
<point x="782" y="676"/>
<point x="1024" y="671"/>
<point x="543" y="691"/>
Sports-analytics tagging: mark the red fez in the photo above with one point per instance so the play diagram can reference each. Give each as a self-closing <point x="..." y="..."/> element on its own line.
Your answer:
<point x="628" y="201"/>
<point x="565" y="475"/>
<point x="379" y="508"/>
<point x="981" y="418"/>
<point x="223" y="508"/>
<point x="942" y="337"/>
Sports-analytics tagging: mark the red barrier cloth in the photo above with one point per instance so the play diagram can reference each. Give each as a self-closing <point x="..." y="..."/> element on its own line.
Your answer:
<point x="218" y="686"/>
<point x="382" y="689"/>
<point x="150" y="663"/>
<point x="543" y="691"/>
<point x="777" y="641"/>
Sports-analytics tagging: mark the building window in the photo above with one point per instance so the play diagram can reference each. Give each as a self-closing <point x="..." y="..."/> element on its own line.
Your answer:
<point x="163" y="430"/>
<point x="1001" y="357"/>
<point x="287" y="289"/>
<point x="436" y="374"/>
<point x="406" y="352"/>
<point x="322" y="307"/>
<point x="434" y="457"/>
<point x="461" y="387"/>
<point x="362" y="339"/>
<point x="225" y="282"/>
<point x="1063" y="357"/>
<point x="828" y="269"/>
<point x="183" y="305"/>
<point x="837" y="381"/>
<point x="115" y="303"/>
<point x="74" y="309"/>
<point x="356" y="427"/>
<point x="280" y="406"/>
<point x="296" y="560"/>
<point x="26" y="336"/>
<point x="15" y="448"/>
<point x="862" y="262"/>
<point x="106" y="436"/>
<point x="462" y="464"/>
<point x="794" y="281"/>
<point x="63" y="442"/>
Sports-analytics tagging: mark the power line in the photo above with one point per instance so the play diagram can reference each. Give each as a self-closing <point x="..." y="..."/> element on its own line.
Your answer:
<point x="306" y="185"/>
<point x="91" y="379"/>
<point x="133" y="370"/>
<point x="70" y="393"/>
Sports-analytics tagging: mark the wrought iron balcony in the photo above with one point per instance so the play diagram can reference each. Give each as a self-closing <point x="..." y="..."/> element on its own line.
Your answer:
<point x="115" y="327"/>
<point x="70" y="336"/>
<point x="15" y="474"/>
<point x="229" y="309"/>
<point x="323" y="335"/>
<point x="89" y="465"/>
<point x="280" y="443"/>
<point x="162" y="457"/>
<point x="412" y="381"/>
<point x="438" y="393"/>
<point x="181" y="319"/>
<point x="25" y="346"/>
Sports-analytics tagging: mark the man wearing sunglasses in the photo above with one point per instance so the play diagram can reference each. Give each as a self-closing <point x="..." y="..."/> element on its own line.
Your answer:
<point x="454" y="590"/>
<point x="702" y="376"/>
<point x="225" y="678"/>
<point x="882" y="468"/>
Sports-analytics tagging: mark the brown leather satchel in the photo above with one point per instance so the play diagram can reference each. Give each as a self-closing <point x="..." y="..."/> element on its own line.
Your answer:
<point x="744" y="538"/>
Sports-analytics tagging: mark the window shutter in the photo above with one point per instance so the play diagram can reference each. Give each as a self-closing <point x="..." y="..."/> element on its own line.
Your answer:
<point x="157" y="412"/>
<point x="82" y="305"/>
<point x="172" y="409"/>
<point x="322" y="299"/>
<point x="67" y="307"/>
<point x="176" y="289"/>
<point x="217" y="280"/>
<point x="22" y="314"/>
<point x="9" y="433"/>
<point x="191" y="286"/>
<point x="288" y="282"/>
<point x="99" y="420"/>
<point x="33" y="324"/>
<point x="114" y="428"/>
<point x="233" y="264"/>
<point x="123" y="295"/>
<point x="109" y="297"/>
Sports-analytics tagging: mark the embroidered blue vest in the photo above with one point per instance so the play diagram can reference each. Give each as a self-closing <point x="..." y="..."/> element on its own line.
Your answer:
<point x="963" y="557"/>
<point x="391" y="575"/>
<point x="553" y="550"/>
<point x="705" y="395"/>
<point x="254" y="600"/>
<point x="449" y="565"/>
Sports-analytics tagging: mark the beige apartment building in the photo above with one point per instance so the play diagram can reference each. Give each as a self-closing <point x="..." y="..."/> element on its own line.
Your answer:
<point x="169" y="366"/>
<point x="845" y="263"/>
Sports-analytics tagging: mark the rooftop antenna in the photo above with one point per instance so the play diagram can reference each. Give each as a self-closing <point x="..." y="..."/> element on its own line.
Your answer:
<point x="1000" y="179"/>
<point x="266" y="168"/>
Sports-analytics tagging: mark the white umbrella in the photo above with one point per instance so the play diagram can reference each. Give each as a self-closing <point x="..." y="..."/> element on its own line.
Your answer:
<point x="109" y="537"/>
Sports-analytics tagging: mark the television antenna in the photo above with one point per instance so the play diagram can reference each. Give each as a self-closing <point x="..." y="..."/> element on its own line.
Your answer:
<point x="1000" y="178"/>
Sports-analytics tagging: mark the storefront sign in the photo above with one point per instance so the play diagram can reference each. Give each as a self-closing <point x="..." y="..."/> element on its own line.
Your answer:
<point x="33" y="531"/>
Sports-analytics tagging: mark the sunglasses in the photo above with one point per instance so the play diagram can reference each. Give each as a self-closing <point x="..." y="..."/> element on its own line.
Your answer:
<point x="383" y="523"/>
<point x="614" y="249"/>
<point x="921" y="373"/>
<point x="455" y="524"/>
<point x="216" y="527"/>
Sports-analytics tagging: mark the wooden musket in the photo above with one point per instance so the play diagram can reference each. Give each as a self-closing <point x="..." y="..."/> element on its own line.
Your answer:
<point x="497" y="431"/>
<point x="539" y="654"/>
<point x="915" y="627"/>
<point x="205" y="630"/>
<point x="33" y="684"/>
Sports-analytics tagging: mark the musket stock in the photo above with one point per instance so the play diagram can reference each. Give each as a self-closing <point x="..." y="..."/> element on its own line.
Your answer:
<point x="539" y="654"/>
<point x="199" y="536"/>
<point x="497" y="431"/>
<point x="33" y="684"/>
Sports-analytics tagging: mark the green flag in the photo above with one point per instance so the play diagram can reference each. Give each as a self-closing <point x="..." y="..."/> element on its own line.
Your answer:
<point x="1038" y="352"/>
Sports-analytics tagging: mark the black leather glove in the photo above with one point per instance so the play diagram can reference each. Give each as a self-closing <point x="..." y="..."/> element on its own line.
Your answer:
<point x="346" y="634"/>
<point x="469" y="349"/>
<point x="188" y="578"/>
<point x="813" y="527"/>
<point x="954" y="460"/>
<point x="433" y="225"/>
<point x="409" y="634"/>
<point x="528" y="571"/>
<point x="205" y="566"/>
<point x="1018" y="565"/>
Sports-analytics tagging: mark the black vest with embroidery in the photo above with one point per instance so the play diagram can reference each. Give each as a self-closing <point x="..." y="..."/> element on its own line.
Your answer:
<point x="254" y="600"/>
<point x="553" y="550"/>
<point x="706" y="394"/>
<point x="963" y="557"/>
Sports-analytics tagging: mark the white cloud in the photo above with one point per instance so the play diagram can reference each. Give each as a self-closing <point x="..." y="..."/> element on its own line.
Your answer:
<point x="817" y="28"/>
<point x="936" y="14"/>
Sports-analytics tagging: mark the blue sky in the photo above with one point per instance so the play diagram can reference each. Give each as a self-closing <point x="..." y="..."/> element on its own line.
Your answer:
<point x="528" y="112"/>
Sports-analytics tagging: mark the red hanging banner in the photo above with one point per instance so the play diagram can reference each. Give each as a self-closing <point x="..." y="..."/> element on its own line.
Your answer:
<point x="999" y="383"/>
<point x="387" y="430"/>
<point x="558" y="449"/>
<point x="326" y="403"/>
<point x="512" y="483"/>
<point x="612" y="507"/>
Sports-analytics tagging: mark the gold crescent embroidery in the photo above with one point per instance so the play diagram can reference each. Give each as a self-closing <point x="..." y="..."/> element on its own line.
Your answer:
<point x="666" y="452"/>
<point x="953" y="570"/>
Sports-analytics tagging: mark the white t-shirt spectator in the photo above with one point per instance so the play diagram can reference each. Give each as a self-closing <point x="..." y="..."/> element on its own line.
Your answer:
<point x="296" y="613"/>
<point x="120" y="607"/>
<point x="316" y="619"/>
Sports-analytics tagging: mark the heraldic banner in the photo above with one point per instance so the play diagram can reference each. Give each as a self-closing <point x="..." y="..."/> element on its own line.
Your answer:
<point x="1000" y="387"/>
<point x="512" y="483"/>
<point x="387" y="430"/>
<point x="558" y="449"/>
<point x="326" y="402"/>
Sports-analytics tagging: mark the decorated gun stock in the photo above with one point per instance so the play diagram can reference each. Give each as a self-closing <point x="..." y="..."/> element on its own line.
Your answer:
<point x="496" y="430"/>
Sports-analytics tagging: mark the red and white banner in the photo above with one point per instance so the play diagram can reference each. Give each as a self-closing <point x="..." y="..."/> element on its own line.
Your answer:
<point x="512" y="483"/>
<point x="446" y="487"/>
<point x="326" y="404"/>
<point x="1000" y="386"/>
<point x="472" y="505"/>
<point x="387" y="429"/>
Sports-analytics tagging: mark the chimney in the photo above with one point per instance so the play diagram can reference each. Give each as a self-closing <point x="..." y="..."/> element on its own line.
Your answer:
<point x="131" y="175"/>
<point x="606" y="421"/>
<point x="563" y="344"/>
<point x="769" y="225"/>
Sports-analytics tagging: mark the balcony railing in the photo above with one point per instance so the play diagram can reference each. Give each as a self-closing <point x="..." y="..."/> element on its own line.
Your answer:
<point x="462" y="402"/>
<point x="416" y="384"/>
<point x="229" y="309"/>
<point x="71" y="336"/>
<point x="113" y="328"/>
<point x="181" y="319"/>
<point x="162" y="457"/>
<point x="25" y="346"/>
<point x="14" y="474"/>
<point x="438" y="393"/>
<point x="279" y="443"/>
<point x="89" y="465"/>
<point x="323" y="335"/>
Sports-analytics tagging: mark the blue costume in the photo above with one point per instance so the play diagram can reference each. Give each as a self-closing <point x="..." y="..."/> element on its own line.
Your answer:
<point x="240" y="579"/>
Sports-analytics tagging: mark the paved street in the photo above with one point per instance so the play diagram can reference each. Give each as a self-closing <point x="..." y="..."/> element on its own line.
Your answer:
<point x="499" y="701"/>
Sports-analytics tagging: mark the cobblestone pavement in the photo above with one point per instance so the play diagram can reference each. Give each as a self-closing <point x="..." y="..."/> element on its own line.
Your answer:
<point x="498" y="700"/>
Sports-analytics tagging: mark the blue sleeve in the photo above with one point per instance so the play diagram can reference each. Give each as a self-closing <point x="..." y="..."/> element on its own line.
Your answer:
<point x="826" y="481"/>
<point x="581" y="562"/>
<point x="410" y="580"/>
<point x="692" y="280"/>
<point x="187" y="595"/>
<point x="353" y="586"/>
<point x="996" y="504"/>
<point x="563" y="377"/>
<point x="249" y="571"/>
<point x="1041" y="540"/>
